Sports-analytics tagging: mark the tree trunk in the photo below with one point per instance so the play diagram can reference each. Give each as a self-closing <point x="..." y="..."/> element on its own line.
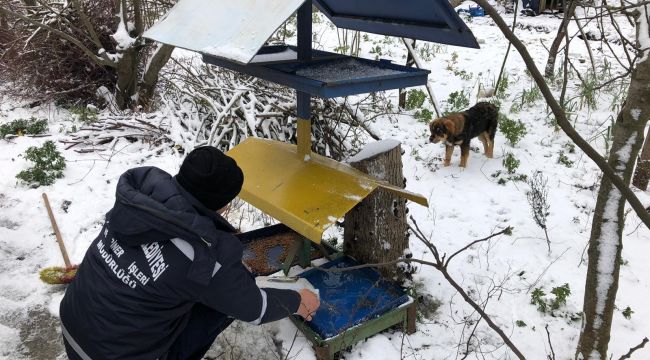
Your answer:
<point x="127" y="74"/>
<point x="159" y="58"/>
<point x="605" y="243"/>
<point x="561" y="33"/>
<point x="642" y="174"/>
<point x="376" y="230"/>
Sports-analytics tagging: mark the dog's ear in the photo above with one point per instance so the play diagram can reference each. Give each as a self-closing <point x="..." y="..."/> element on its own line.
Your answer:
<point x="432" y="124"/>
<point x="450" y="125"/>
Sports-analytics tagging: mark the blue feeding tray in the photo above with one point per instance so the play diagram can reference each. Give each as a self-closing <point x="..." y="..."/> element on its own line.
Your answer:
<point x="350" y="298"/>
<point x="473" y="11"/>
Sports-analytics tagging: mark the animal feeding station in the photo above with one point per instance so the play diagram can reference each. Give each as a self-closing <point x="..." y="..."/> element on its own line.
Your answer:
<point x="305" y="191"/>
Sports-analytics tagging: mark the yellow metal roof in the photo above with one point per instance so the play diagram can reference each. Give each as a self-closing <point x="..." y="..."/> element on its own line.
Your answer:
<point x="308" y="195"/>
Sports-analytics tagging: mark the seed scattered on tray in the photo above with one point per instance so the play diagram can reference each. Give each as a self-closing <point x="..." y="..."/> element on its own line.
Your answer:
<point x="266" y="255"/>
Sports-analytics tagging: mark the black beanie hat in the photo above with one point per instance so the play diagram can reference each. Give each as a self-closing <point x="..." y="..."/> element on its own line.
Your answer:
<point x="211" y="176"/>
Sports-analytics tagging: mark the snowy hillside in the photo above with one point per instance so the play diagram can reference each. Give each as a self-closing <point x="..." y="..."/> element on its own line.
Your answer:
<point x="465" y="204"/>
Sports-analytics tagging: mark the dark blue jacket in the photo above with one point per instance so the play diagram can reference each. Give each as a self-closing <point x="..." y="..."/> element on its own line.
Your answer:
<point x="159" y="253"/>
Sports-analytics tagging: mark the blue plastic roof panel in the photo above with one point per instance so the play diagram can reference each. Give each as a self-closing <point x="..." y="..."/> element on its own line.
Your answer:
<point x="429" y="20"/>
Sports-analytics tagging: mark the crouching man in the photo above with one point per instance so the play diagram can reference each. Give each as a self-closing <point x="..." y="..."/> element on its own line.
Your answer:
<point x="165" y="275"/>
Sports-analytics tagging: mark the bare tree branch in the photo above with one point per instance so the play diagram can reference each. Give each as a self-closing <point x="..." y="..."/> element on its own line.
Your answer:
<point x="561" y="118"/>
<point x="632" y="350"/>
<point x="76" y="42"/>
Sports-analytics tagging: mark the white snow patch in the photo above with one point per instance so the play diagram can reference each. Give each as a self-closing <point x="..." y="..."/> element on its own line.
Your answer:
<point x="121" y="35"/>
<point x="609" y="238"/>
<point x="285" y="55"/>
<point x="9" y="338"/>
<point x="636" y="113"/>
<point x="374" y="149"/>
<point x="54" y="304"/>
<point x="231" y="52"/>
<point x="644" y="31"/>
<point x="354" y="197"/>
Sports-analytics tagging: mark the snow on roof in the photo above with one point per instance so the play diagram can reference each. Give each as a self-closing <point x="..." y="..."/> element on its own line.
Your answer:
<point x="234" y="30"/>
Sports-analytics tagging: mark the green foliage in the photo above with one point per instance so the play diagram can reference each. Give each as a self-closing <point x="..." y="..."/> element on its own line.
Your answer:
<point x="561" y="294"/>
<point x="414" y="99"/>
<point x="569" y="147"/>
<point x="463" y="74"/>
<point x="540" y="299"/>
<point x="451" y="64"/>
<point x="48" y="165"/>
<point x="86" y="115"/>
<point x="424" y="115"/>
<point x="513" y="130"/>
<point x="527" y="98"/>
<point x="429" y="50"/>
<point x="520" y="323"/>
<point x="377" y="50"/>
<point x="537" y="299"/>
<point x="627" y="313"/>
<point x="502" y="180"/>
<point x="31" y="126"/>
<point x="511" y="163"/>
<point x="457" y="101"/>
<point x="564" y="160"/>
<point x="587" y="92"/>
<point x="502" y="86"/>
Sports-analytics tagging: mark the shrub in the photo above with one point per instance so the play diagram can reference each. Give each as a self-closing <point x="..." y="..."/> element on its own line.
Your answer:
<point x="85" y="114"/>
<point x="627" y="313"/>
<point x="513" y="130"/>
<point x="457" y="101"/>
<point x="19" y="127"/>
<point x="46" y="64"/>
<point x="511" y="163"/>
<point x="48" y="165"/>
<point x="564" y="160"/>
<point x="424" y="115"/>
<point x="528" y="97"/>
<point x="414" y="99"/>
<point x="560" y="294"/>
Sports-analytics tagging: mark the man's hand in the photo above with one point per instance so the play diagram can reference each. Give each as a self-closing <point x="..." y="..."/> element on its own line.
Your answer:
<point x="309" y="303"/>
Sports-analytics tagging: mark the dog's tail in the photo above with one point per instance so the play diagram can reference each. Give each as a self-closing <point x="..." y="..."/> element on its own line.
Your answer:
<point x="489" y="113"/>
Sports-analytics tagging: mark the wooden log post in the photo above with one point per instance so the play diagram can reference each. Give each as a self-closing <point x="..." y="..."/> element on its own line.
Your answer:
<point x="376" y="230"/>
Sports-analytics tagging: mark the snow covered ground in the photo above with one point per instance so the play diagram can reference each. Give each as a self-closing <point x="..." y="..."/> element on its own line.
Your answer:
<point x="465" y="204"/>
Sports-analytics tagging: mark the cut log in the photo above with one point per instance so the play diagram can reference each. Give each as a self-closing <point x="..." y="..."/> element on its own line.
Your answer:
<point x="375" y="231"/>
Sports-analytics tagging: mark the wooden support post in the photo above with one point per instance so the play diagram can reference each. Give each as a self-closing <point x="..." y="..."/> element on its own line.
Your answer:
<point x="304" y="138"/>
<point x="375" y="231"/>
<point x="402" y="92"/>
<point x="303" y="100"/>
<point x="411" y="317"/>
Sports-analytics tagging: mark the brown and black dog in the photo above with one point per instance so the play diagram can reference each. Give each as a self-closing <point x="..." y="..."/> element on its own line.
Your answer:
<point x="459" y="128"/>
